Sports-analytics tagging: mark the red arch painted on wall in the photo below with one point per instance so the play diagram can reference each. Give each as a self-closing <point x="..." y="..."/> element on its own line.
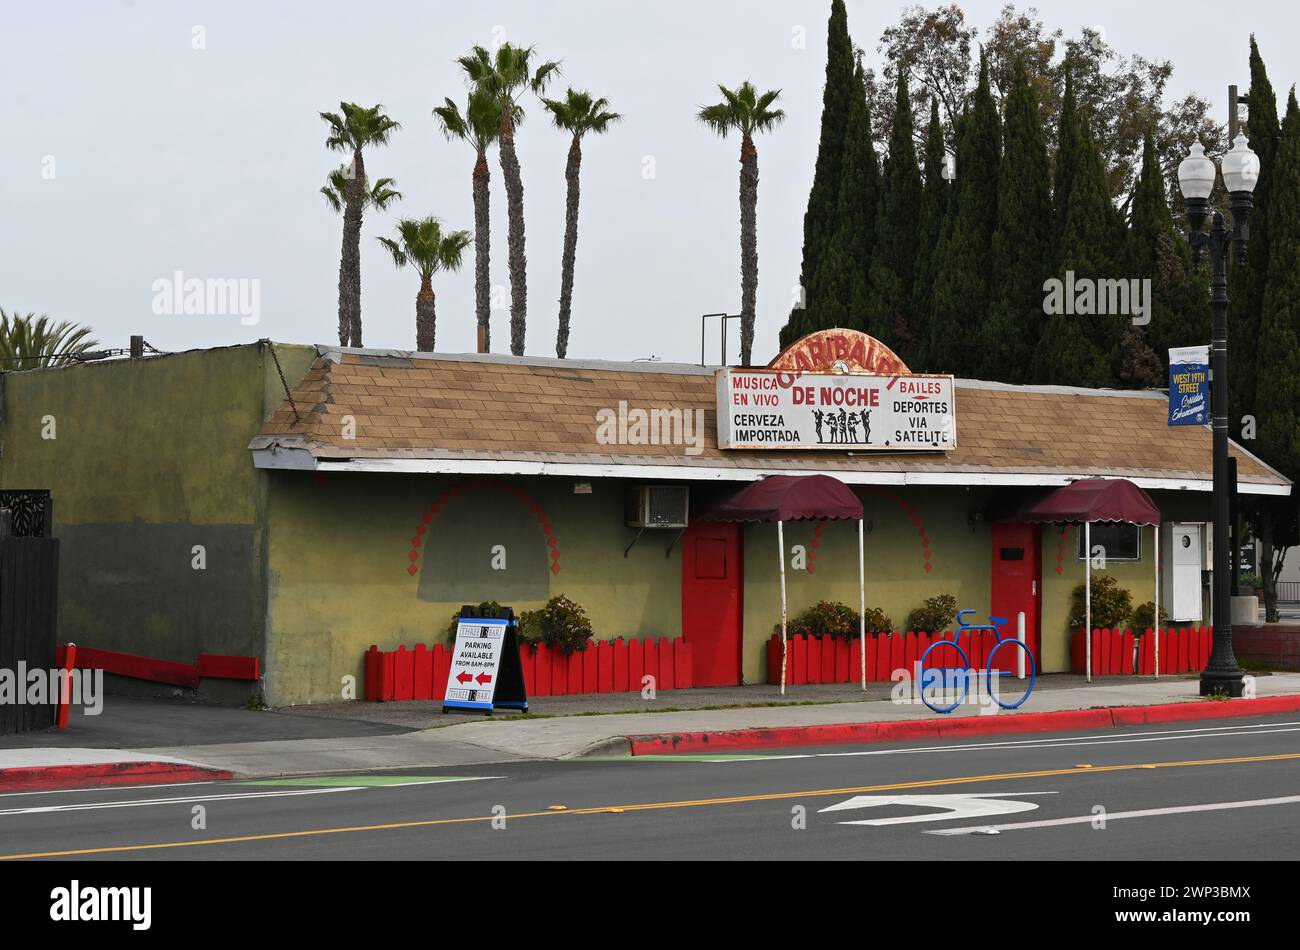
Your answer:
<point x="926" y="554"/>
<point x="484" y="484"/>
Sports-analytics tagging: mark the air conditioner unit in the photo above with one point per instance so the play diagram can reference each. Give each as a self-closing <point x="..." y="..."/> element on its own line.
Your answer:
<point x="657" y="506"/>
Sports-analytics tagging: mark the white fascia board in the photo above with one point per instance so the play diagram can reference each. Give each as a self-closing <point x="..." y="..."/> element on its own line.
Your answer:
<point x="302" y="460"/>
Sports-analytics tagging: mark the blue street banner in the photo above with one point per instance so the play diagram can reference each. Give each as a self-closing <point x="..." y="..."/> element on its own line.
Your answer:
<point x="1189" y="386"/>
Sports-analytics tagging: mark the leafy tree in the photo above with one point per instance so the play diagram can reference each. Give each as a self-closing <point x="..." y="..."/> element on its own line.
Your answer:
<point x="748" y="112"/>
<point x="423" y="245"/>
<point x="841" y="286"/>
<point x="819" y="222"/>
<point x="1023" y="239"/>
<point x="961" y="292"/>
<point x="504" y="78"/>
<point x="577" y="113"/>
<point x="352" y="130"/>
<point x="479" y="126"/>
<point x="893" y="265"/>
<point x="30" y="342"/>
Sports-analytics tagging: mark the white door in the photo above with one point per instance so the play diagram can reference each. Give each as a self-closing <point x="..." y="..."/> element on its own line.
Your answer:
<point x="1185" y="569"/>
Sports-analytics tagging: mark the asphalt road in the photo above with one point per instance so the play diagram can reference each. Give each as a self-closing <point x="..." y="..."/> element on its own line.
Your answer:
<point x="1162" y="792"/>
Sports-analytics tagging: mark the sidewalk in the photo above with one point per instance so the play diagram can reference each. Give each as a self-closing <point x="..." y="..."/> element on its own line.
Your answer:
<point x="283" y="743"/>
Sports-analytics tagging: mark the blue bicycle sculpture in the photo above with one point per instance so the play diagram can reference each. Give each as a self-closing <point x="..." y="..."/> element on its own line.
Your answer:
<point x="995" y="626"/>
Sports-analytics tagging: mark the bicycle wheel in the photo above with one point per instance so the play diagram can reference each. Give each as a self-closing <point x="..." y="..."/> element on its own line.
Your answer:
<point x="1029" y="665"/>
<point x="965" y="680"/>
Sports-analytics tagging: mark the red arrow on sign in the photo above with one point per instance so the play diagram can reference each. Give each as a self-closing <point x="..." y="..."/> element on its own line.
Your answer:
<point x="483" y="678"/>
<point x="464" y="678"/>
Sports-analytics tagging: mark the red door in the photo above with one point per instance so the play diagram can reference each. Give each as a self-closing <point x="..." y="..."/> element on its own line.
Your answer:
<point x="711" y="601"/>
<point x="1017" y="586"/>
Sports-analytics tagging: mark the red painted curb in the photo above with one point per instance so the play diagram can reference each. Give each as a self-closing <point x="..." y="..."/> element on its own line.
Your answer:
<point x="53" y="777"/>
<point x="840" y="733"/>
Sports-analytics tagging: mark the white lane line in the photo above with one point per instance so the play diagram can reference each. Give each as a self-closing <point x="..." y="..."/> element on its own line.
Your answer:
<point x="109" y="788"/>
<point x="1117" y="815"/>
<point x="92" y="806"/>
<point x="1063" y="742"/>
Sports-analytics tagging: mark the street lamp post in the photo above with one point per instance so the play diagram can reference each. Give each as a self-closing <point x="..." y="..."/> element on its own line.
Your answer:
<point x="1196" y="175"/>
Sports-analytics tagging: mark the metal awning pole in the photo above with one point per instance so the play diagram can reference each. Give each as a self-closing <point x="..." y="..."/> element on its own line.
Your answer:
<point x="1087" y="597"/>
<point x="1156" y="619"/>
<point x="780" y="543"/>
<point x="862" y="606"/>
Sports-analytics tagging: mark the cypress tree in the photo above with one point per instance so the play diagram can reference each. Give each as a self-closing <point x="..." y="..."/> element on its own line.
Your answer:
<point x="1278" y="396"/>
<point x="819" y="221"/>
<point x="934" y="208"/>
<point x="1180" y="310"/>
<point x="1082" y="349"/>
<point x="893" y="265"/>
<point x="1247" y="285"/>
<point x="1067" y="156"/>
<point x="839" y="291"/>
<point x="1023" y="239"/>
<point x="961" y="286"/>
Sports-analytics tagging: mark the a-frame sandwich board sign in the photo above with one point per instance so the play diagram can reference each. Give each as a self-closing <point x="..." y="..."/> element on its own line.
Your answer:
<point x="486" y="673"/>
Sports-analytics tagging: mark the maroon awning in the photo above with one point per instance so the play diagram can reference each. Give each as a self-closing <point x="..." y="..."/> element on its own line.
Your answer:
<point x="789" y="498"/>
<point x="1095" y="499"/>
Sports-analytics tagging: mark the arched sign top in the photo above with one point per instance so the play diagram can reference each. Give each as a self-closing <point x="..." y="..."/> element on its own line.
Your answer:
<point x="839" y="351"/>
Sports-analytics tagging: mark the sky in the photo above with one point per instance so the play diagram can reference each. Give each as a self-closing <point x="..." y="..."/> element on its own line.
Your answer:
<point x="146" y="139"/>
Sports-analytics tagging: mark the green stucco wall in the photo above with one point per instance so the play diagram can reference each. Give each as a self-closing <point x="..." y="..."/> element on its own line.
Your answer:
<point x="339" y="552"/>
<point x="149" y="459"/>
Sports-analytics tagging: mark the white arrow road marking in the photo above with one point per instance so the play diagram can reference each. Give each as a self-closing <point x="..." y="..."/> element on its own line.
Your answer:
<point x="966" y="805"/>
<point x="1117" y="815"/>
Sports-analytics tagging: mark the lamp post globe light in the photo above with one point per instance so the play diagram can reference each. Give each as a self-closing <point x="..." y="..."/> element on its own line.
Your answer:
<point x="1196" y="175"/>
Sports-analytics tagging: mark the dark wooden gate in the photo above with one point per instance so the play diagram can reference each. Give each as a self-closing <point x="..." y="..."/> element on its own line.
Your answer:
<point x="29" y="573"/>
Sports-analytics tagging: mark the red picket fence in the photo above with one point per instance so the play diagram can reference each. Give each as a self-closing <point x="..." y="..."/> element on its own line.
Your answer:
<point x="606" y="666"/>
<point x="812" y="659"/>
<point x="1182" y="650"/>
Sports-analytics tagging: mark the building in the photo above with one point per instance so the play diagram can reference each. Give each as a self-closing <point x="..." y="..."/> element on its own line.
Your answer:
<point x="388" y="488"/>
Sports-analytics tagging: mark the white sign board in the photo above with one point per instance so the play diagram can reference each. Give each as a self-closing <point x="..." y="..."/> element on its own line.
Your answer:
<point x="768" y="409"/>
<point x="475" y="661"/>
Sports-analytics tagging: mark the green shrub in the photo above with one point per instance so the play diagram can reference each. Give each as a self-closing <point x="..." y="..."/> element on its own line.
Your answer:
<point x="878" y="621"/>
<point x="1247" y="579"/>
<point x="935" y="615"/>
<point x="1112" y="605"/>
<point x="561" y="624"/>
<point x="1142" y="617"/>
<point x="830" y="618"/>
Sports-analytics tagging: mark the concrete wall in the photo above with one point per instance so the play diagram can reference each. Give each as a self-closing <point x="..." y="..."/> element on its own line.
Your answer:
<point x="149" y="459"/>
<point x="340" y="547"/>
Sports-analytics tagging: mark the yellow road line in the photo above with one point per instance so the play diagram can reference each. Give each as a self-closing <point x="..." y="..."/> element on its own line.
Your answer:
<point x="656" y="806"/>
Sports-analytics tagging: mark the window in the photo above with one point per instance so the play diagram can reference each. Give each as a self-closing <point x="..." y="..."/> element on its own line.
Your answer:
<point x="1119" y="542"/>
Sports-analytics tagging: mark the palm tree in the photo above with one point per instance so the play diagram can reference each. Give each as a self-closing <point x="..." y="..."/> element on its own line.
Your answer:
<point x="352" y="129"/>
<point x="745" y="111"/>
<point x="379" y="197"/>
<point x="504" y="78"/>
<point x="28" y="341"/>
<point x="579" y="114"/>
<point x="422" y="244"/>
<point x="478" y="125"/>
